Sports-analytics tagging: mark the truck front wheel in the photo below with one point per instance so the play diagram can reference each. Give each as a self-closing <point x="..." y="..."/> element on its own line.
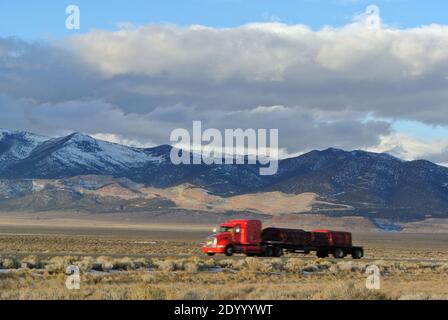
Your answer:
<point x="339" y="253"/>
<point x="229" y="251"/>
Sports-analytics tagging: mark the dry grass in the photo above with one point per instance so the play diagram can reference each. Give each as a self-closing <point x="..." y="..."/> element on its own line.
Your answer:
<point x="93" y="245"/>
<point x="204" y="278"/>
<point x="33" y="267"/>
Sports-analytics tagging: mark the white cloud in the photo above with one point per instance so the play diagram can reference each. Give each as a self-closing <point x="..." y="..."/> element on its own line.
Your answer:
<point x="267" y="51"/>
<point x="389" y="72"/>
<point x="408" y="147"/>
<point x="115" y="138"/>
<point x="263" y="109"/>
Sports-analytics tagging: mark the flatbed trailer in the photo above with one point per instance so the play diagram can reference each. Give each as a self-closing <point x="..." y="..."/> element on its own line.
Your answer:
<point x="323" y="242"/>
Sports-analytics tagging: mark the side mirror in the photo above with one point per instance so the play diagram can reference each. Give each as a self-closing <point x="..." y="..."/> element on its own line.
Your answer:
<point x="237" y="230"/>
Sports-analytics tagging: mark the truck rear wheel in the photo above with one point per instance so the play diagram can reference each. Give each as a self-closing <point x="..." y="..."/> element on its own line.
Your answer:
<point x="278" y="252"/>
<point x="229" y="251"/>
<point x="211" y="254"/>
<point x="339" y="253"/>
<point x="357" y="253"/>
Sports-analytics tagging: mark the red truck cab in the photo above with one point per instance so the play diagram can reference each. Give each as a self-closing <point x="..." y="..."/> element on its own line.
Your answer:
<point x="235" y="236"/>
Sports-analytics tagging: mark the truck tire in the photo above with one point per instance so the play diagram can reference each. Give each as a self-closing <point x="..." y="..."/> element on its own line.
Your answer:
<point x="268" y="251"/>
<point x="211" y="254"/>
<point x="229" y="251"/>
<point x="278" y="252"/>
<point x="322" y="254"/>
<point x="339" y="253"/>
<point x="357" y="253"/>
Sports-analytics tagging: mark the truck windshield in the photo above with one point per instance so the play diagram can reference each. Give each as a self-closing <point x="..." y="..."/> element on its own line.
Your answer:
<point x="225" y="229"/>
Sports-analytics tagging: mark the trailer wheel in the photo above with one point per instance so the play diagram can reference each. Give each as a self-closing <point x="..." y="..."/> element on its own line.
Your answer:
<point x="339" y="253"/>
<point x="278" y="252"/>
<point x="268" y="251"/>
<point x="357" y="253"/>
<point x="322" y="254"/>
<point x="229" y="251"/>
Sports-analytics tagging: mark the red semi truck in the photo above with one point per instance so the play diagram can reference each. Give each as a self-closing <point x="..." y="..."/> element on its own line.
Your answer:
<point x="248" y="237"/>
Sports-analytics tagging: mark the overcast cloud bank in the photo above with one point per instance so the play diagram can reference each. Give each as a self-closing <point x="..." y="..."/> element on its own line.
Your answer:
<point x="335" y="87"/>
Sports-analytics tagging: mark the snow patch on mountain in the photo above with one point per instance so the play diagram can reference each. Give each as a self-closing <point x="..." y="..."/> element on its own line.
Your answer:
<point x="82" y="150"/>
<point x="17" y="145"/>
<point x="38" y="185"/>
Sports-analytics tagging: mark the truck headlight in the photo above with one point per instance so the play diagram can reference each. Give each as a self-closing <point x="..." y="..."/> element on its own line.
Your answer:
<point x="212" y="242"/>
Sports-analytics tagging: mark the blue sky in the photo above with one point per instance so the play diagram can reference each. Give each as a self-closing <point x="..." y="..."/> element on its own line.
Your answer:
<point x="423" y="131"/>
<point x="45" y="18"/>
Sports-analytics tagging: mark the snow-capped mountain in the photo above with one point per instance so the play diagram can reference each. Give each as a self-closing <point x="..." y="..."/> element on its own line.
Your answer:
<point x="17" y="145"/>
<point x="75" y="154"/>
<point x="358" y="182"/>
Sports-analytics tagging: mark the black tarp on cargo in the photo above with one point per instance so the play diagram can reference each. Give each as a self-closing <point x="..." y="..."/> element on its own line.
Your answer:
<point x="292" y="236"/>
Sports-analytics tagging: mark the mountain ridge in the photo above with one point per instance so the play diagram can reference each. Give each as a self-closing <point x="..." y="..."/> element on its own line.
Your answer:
<point x="373" y="184"/>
